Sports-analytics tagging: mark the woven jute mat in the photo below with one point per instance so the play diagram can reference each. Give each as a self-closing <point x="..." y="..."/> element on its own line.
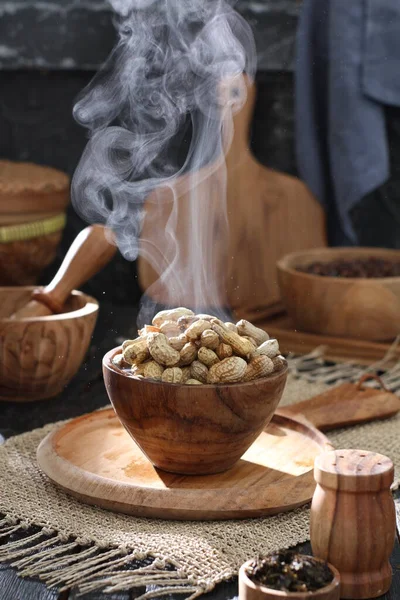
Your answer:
<point x="78" y="545"/>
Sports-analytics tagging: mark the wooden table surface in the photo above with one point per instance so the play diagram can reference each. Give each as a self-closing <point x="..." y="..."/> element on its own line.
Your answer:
<point x="85" y="394"/>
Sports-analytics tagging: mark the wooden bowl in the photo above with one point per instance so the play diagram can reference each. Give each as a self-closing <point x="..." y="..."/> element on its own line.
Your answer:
<point x="192" y="429"/>
<point x="248" y="590"/>
<point x="367" y="309"/>
<point x="40" y="355"/>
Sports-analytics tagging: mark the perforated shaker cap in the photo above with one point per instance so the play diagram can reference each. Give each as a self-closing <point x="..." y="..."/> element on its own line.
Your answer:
<point x="354" y="471"/>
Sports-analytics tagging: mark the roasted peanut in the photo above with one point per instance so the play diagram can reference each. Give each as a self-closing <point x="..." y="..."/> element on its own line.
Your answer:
<point x="172" y="375"/>
<point x="178" y="342"/>
<point x="231" y="326"/>
<point x="193" y="382"/>
<point x="153" y="370"/>
<point x="205" y="317"/>
<point x="185" y="374"/>
<point x="207" y="356"/>
<point x="209" y="339"/>
<point x="136" y="352"/>
<point x="171" y="315"/>
<point x="198" y="371"/>
<point x="269" y="348"/>
<point x="246" y="328"/>
<point x="224" y="351"/>
<point x="185" y="321"/>
<point x="118" y="361"/>
<point x="229" y="370"/>
<point x="131" y="342"/>
<point x="148" y="329"/>
<point x="161" y="351"/>
<point x="279" y="363"/>
<point x="194" y="331"/>
<point x="240" y="345"/>
<point x="259" y="366"/>
<point x="170" y="329"/>
<point x="188" y="354"/>
<point x="252" y="340"/>
<point x="138" y="370"/>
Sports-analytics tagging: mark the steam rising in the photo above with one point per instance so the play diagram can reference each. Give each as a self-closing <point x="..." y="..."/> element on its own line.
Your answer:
<point x="175" y="74"/>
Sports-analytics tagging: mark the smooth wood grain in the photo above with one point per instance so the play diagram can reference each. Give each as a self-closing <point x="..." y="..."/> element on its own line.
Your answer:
<point x="359" y="308"/>
<point x="40" y="355"/>
<point x="353" y="521"/>
<point x="346" y="404"/>
<point x="192" y="429"/>
<point x="89" y="253"/>
<point x="268" y="215"/>
<point x="94" y="459"/>
<point x="249" y="590"/>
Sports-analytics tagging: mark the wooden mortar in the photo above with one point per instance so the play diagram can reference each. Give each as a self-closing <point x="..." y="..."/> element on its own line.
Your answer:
<point x="41" y="351"/>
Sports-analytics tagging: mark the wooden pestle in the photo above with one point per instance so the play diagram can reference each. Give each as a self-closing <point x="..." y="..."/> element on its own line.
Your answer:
<point x="88" y="254"/>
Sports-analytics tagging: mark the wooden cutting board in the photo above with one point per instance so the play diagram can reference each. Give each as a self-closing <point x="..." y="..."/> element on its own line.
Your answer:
<point x="94" y="459"/>
<point x="269" y="214"/>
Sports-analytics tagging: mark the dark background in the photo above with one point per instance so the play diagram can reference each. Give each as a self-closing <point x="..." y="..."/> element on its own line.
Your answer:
<point x="50" y="51"/>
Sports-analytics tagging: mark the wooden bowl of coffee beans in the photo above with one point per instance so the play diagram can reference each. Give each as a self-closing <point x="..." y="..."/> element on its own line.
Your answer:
<point x="343" y="292"/>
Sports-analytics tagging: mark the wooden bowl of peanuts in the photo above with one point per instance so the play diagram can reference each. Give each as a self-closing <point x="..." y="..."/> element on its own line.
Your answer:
<point x="193" y="392"/>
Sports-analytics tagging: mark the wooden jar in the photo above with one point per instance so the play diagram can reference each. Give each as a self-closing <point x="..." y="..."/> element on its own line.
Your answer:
<point x="33" y="200"/>
<point x="353" y="519"/>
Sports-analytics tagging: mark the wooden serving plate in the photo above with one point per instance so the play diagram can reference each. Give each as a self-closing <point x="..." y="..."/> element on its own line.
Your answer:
<point x="94" y="459"/>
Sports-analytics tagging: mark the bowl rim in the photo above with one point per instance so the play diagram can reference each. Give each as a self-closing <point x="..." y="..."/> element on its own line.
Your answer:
<point x="290" y="595"/>
<point x="107" y="364"/>
<point x="91" y="306"/>
<point x="362" y="251"/>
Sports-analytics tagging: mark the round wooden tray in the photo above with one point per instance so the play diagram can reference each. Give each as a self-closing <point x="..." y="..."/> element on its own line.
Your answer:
<point x="94" y="459"/>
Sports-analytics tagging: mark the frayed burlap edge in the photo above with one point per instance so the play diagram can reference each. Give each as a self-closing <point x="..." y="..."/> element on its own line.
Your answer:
<point x="75" y="545"/>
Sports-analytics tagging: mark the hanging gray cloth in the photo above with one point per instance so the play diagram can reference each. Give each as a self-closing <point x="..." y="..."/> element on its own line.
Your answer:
<point x="347" y="69"/>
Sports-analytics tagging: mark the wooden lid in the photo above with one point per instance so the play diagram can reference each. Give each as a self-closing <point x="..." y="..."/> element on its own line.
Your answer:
<point x="21" y="177"/>
<point x="32" y="188"/>
<point x="354" y="470"/>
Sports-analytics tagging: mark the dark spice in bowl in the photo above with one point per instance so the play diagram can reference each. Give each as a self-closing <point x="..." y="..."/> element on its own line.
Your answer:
<point x="290" y="572"/>
<point x="362" y="267"/>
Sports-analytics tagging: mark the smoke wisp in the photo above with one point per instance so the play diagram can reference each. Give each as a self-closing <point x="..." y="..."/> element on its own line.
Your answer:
<point x="159" y="115"/>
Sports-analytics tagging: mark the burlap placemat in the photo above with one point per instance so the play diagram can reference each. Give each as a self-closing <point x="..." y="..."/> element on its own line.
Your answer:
<point x="79" y="545"/>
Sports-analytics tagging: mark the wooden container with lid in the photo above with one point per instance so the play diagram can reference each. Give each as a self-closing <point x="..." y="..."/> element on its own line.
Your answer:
<point x="33" y="200"/>
<point x="353" y="521"/>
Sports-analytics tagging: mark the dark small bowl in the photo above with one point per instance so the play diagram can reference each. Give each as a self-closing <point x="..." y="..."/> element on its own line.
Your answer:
<point x="192" y="429"/>
<point x="249" y="590"/>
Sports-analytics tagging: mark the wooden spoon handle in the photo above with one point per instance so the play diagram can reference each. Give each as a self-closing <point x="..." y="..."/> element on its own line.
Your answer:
<point x="346" y="404"/>
<point x="88" y="254"/>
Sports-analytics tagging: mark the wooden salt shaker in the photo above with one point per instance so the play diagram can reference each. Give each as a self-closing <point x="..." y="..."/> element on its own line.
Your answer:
<point x="353" y="520"/>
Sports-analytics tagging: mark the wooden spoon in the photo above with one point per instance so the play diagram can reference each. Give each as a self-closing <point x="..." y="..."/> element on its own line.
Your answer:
<point x="89" y="253"/>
